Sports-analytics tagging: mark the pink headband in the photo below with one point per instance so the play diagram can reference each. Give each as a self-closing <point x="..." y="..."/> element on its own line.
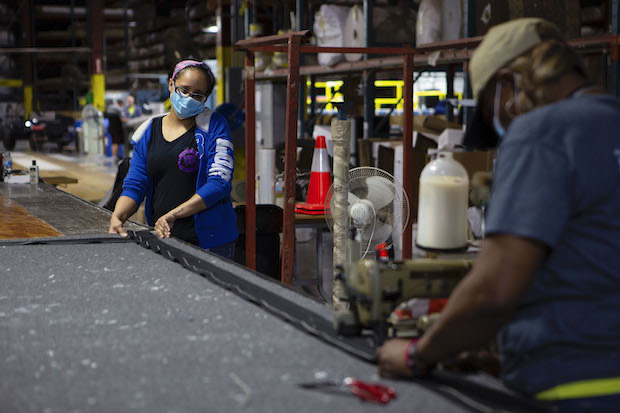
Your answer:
<point x="187" y="63"/>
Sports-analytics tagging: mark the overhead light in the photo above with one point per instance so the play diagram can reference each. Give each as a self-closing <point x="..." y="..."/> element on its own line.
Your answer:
<point x="28" y="124"/>
<point x="132" y="24"/>
<point x="210" y="29"/>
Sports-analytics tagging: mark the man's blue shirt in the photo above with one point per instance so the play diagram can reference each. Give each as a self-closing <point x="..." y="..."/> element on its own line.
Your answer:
<point x="557" y="181"/>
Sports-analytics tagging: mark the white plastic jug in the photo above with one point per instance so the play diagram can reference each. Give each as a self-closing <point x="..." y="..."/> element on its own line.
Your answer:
<point x="442" y="205"/>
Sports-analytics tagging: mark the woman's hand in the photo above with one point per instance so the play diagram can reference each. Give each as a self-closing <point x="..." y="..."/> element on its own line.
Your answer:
<point x="163" y="226"/>
<point x="116" y="226"/>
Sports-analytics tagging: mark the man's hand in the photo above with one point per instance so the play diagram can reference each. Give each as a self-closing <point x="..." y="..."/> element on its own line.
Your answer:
<point x="392" y="359"/>
<point x="116" y="226"/>
<point x="163" y="226"/>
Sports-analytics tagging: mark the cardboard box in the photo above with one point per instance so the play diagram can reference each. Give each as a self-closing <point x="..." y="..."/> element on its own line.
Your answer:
<point x="475" y="161"/>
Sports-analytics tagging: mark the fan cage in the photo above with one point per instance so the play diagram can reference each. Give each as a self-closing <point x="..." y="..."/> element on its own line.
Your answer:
<point x="397" y="217"/>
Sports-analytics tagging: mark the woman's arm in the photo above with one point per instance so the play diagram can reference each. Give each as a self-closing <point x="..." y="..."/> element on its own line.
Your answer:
<point x="163" y="226"/>
<point x="125" y="207"/>
<point x="220" y="163"/>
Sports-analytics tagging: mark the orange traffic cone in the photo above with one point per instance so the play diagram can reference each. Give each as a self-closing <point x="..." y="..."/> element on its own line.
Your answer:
<point x="320" y="181"/>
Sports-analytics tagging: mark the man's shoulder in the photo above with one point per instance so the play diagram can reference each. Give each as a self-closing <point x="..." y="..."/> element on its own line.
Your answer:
<point x="583" y="108"/>
<point x="585" y="113"/>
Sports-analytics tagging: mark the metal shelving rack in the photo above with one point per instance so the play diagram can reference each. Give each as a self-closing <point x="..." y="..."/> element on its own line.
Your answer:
<point x="452" y="54"/>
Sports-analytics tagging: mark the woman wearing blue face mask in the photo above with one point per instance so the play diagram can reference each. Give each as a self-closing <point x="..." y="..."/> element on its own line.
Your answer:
<point x="183" y="164"/>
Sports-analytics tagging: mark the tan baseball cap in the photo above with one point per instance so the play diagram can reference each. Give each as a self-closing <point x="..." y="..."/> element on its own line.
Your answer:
<point x="501" y="45"/>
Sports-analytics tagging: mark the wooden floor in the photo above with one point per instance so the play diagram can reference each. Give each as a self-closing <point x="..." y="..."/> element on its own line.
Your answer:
<point x="16" y="222"/>
<point x="95" y="176"/>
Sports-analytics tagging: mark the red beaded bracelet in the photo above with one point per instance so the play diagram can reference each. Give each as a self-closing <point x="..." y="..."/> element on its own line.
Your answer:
<point x="413" y="342"/>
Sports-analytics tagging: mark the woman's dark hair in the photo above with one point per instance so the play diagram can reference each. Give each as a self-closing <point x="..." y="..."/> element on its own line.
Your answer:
<point x="185" y="64"/>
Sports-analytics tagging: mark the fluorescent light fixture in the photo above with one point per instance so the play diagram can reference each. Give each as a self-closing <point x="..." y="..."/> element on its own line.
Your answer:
<point x="210" y="29"/>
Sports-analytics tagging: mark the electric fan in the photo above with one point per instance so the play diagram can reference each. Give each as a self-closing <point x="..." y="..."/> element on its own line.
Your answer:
<point x="378" y="210"/>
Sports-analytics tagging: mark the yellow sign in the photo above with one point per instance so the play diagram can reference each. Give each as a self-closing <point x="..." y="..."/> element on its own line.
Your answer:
<point x="11" y="83"/>
<point x="390" y="92"/>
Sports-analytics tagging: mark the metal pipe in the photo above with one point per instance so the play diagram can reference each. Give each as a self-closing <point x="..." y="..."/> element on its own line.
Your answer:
<point x="74" y="56"/>
<point x="408" y="179"/>
<point x="273" y="40"/>
<point x="95" y="8"/>
<point x="301" y="113"/>
<point x="26" y="23"/>
<point x="250" y="163"/>
<point x="292" y="99"/>
<point x="81" y="11"/>
<point x="368" y="77"/>
<point x="33" y="43"/>
<point x="469" y="30"/>
<point x="126" y="38"/>
<point x="450" y="92"/>
<point x="615" y="65"/>
<point x="34" y="50"/>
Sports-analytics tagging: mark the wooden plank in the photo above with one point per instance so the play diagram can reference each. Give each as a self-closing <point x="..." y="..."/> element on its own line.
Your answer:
<point x="59" y="180"/>
<point x="16" y="222"/>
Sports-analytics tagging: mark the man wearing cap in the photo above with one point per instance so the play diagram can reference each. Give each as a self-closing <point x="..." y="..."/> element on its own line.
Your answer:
<point x="546" y="282"/>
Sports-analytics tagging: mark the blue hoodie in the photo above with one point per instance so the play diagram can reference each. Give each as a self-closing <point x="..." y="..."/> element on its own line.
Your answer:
<point x="216" y="225"/>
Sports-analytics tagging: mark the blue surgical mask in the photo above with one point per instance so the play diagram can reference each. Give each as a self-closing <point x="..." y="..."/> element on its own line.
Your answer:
<point x="185" y="107"/>
<point x="497" y="125"/>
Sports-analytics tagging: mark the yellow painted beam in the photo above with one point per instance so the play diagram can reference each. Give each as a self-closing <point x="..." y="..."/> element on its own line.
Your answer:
<point x="223" y="55"/>
<point x="27" y="101"/>
<point x="11" y="83"/>
<point x="97" y="84"/>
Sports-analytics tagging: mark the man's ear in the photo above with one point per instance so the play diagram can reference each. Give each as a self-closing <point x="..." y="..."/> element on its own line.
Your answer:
<point x="505" y="75"/>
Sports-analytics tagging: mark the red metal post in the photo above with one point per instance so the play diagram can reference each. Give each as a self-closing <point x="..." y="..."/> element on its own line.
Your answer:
<point x="95" y="27"/>
<point x="250" y="159"/>
<point x="27" y="57"/>
<point x="292" y="99"/>
<point x="408" y="178"/>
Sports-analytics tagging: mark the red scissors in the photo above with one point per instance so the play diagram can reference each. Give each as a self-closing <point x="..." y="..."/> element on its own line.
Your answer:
<point x="369" y="392"/>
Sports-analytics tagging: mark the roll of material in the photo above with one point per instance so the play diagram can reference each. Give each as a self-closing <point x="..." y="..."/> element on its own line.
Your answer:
<point x="429" y="25"/>
<point x="341" y="134"/>
<point x="266" y="188"/>
<point x="329" y="24"/>
<point x="354" y="34"/>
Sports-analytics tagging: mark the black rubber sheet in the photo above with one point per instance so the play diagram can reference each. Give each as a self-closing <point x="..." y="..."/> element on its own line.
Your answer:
<point x="111" y="325"/>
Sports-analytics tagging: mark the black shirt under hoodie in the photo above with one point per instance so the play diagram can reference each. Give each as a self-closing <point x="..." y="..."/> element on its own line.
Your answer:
<point x="173" y="168"/>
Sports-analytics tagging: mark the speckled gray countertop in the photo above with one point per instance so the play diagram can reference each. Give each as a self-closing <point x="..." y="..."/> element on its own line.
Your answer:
<point x="115" y="327"/>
